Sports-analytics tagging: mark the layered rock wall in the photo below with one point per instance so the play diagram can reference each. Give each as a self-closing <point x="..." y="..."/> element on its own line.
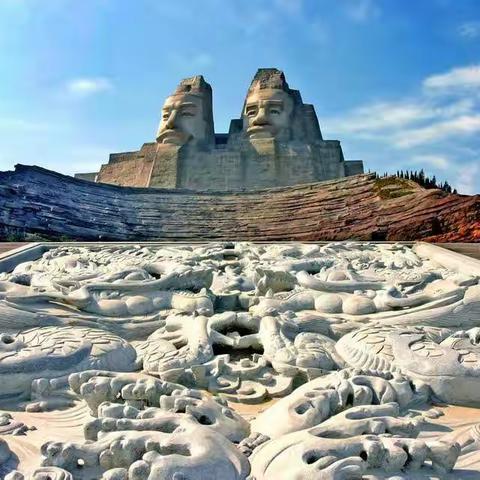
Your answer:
<point x="35" y="200"/>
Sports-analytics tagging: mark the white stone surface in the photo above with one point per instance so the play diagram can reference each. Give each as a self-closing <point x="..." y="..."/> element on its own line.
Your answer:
<point x="236" y="361"/>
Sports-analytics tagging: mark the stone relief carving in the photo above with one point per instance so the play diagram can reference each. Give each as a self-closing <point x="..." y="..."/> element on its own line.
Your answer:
<point x="46" y="352"/>
<point x="342" y="453"/>
<point x="191" y="452"/>
<point x="236" y="361"/>
<point x="447" y="363"/>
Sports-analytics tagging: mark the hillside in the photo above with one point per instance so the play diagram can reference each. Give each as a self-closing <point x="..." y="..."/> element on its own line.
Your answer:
<point x="37" y="201"/>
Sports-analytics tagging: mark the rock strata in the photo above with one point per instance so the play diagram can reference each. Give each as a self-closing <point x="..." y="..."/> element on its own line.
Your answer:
<point x="35" y="200"/>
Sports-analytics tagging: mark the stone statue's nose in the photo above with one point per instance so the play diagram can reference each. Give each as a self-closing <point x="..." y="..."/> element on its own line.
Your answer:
<point x="260" y="118"/>
<point x="172" y="118"/>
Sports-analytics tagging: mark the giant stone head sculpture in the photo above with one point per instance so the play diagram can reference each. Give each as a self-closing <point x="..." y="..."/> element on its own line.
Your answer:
<point x="187" y="114"/>
<point x="273" y="110"/>
<point x="269" y="106"/>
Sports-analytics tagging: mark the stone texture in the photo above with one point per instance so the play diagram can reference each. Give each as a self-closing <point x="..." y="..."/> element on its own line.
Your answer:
<point x="276" y="141"/>
<point x="35" y="200"/>
<point x="149" y="362"/>
<point x="127" y="169"/>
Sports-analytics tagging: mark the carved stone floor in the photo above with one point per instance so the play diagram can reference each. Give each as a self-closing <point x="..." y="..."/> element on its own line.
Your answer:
<point x="239" y="361"/>
<point x="68" y="427"/>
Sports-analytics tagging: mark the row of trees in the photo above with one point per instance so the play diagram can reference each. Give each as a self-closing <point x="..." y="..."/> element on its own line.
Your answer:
<point x="422" y="179"/>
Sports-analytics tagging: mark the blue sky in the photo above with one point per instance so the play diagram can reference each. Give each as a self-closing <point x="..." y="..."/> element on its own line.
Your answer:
<point x="397" y="81"/>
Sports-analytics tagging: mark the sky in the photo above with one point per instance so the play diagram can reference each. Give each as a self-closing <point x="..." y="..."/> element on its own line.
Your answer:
<point x="396" y="81"/>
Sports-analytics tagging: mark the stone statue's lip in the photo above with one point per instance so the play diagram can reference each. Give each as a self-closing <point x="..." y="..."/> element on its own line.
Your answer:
<point x="172" y="136"/>
<point x="171" y="133"/>
<point x="261" y="130"/>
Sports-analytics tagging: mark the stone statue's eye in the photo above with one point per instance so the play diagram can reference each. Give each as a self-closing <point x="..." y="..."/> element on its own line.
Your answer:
<point x="275" y="111"/>
<point x="187" y="113"/>
<point x="251" y="112"/>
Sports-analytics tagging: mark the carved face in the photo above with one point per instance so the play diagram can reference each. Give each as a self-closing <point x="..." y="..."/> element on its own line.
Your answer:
<point x="267" y="113"/>
<point x="182" y="120"/>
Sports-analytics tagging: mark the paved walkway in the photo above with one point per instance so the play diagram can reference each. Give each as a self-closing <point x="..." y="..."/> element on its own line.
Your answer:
<point x="469" y="249"/>
<point x="6" y="246"/>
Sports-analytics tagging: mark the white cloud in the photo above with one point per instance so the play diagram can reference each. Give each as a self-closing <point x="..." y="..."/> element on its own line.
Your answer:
<point x="469" y="30"/>
<point x="457" y="78"/>
<point x="381" y="116"/>
<point x="384" y="116"/>
<point x="86" y="86"/>
<point x="437" y="129"/>
<point x="461" y="126"/>
<point x="362" y="10"/>
<point x="421" y="120"/>
<point x="438" y="161"/>
<point x="454" y="108"/>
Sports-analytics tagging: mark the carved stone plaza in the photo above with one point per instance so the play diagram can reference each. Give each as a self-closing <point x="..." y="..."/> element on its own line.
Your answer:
<point x="239" y="361"/>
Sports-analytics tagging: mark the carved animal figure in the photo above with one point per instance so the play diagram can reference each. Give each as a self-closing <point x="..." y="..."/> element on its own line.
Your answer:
<point x="49" y="352"/>
<point x="445" y="361"/>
